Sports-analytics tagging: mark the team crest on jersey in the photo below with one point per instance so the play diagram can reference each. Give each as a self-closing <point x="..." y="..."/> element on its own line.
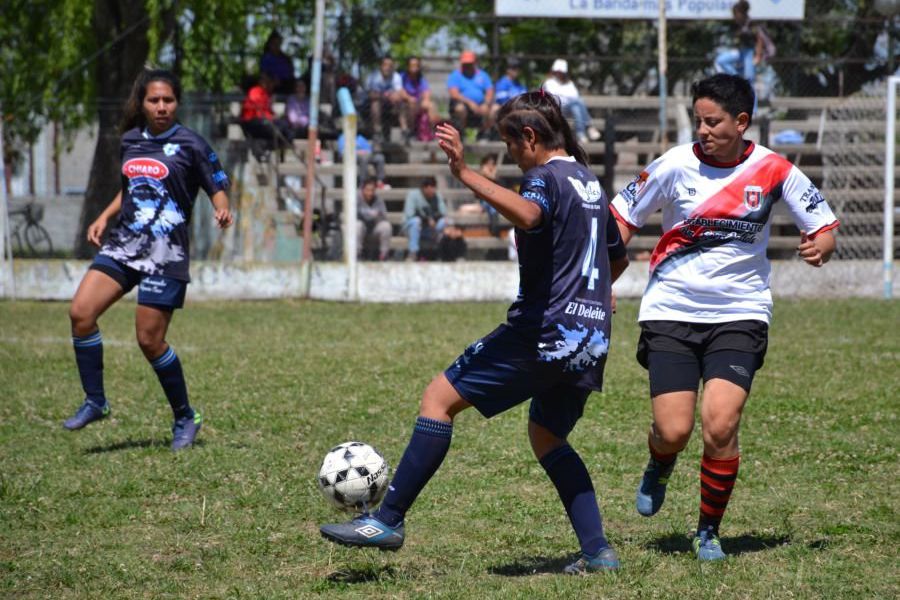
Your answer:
<point x="171" y="149"/>
<point x="634" y="188"/>
<point x="592" y="192"/>
<point x="145" y="167"/>
<point x="753" y="196"/>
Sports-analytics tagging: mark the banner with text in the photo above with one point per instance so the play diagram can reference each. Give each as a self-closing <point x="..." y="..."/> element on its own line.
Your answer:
<point x="761" y="10"/>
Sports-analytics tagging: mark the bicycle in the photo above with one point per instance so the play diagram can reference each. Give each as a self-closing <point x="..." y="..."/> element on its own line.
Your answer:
<point x="36" y="238"/>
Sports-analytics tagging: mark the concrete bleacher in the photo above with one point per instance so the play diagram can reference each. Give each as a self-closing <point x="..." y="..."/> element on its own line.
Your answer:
<point x="637" y="140"/>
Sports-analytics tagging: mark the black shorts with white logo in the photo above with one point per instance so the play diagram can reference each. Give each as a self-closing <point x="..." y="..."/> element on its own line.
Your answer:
<point x="678" y="354"/>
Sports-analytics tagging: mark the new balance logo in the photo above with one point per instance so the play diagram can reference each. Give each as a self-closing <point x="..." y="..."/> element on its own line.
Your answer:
<point x="740" y="370"/>
<point x="369" y="531"/>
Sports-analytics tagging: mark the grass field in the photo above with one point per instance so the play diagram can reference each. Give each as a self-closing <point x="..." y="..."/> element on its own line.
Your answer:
<point x="110" y="512"/>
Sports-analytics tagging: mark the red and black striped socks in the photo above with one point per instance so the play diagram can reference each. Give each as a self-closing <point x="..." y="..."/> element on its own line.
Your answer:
<point x="717" y="478"/>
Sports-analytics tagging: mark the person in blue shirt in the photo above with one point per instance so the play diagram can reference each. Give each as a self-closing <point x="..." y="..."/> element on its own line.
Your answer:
<point x="164" y="165"/>
<point x="471" y="95"/>
<point x="553" y="346"/>
<point x="509" y="86"/>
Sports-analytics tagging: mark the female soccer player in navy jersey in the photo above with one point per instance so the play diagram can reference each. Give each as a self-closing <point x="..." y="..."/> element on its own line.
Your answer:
<point x="707" y="306"/>
<point x="553" y="346"/>
<point x="163" y="166"/>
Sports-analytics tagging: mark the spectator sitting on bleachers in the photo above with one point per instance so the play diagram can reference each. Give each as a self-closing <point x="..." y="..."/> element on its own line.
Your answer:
<point x="384" y="88"/>
<point x="257" y="119"/>
<point x="277" y="65"/>
<point x="421" y="113"/>
<point x="471" y="95"/>
<point x="423" y="212"/>
<point x="297" y="110"/>
<point x="487" y="168"/>
<point x="372" y="225"/>
<point x="365" y="156"/>
<point x="509" y="86"/>
<point x="559" y="84"/>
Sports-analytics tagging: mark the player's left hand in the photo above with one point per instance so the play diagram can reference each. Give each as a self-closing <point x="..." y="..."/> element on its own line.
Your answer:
<point x="451" y="144"/>
<point x="223" y="217"/>
<point x="809" y="252"/>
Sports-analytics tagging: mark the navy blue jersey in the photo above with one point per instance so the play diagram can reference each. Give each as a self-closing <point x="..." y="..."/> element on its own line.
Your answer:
<point x="565" y="291"/>
<point x="161" y="176"/>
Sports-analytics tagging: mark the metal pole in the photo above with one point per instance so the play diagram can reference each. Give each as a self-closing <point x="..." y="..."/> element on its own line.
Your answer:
<point x="662" y="67"/>
<point x="349" y="175"/>
<point x="889" y="153"/>
<point x="313" y="130"/>
<point x="7" y="262"/>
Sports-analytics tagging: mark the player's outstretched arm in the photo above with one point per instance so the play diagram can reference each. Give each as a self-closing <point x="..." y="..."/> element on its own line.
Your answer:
<point x="816" y="251"/>
<point x="222" y="216"/>
<point x="519" y="211"/>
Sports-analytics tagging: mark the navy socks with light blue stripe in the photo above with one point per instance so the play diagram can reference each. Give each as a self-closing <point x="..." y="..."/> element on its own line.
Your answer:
<point x="423" y="455"/>
<point x="171" y="377"/>
<point x="89" y="358"/>
<point x="573" y="483"/>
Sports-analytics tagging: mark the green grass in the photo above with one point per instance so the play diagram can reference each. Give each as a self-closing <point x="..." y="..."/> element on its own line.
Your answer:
<point x="111" y="512"/>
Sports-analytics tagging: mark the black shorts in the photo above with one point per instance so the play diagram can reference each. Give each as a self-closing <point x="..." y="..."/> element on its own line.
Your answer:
<point x="472" y="119"/>
<point x="677" y="354"/>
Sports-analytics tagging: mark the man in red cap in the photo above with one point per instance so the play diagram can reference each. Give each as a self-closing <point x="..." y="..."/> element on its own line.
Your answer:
<point x="471" y="94"/>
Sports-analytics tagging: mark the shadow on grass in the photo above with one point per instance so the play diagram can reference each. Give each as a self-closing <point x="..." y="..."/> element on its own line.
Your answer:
<point x="532" y="565"/>
<point x="733" y="546"/>
<point x="132" y="444"/>
<point x="365" y="575"/>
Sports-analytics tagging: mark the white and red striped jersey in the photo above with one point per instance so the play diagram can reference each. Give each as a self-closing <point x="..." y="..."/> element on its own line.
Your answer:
<point x="710" y="264"/>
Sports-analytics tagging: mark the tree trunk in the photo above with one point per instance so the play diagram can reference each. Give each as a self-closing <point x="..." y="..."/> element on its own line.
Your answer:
<point x="114" y="73"/>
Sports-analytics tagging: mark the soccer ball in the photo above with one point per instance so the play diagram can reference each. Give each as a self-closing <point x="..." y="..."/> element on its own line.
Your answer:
<point x="354" y="475"/>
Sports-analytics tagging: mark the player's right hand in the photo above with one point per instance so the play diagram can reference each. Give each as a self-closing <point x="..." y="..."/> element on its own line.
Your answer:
<point x="451" y="144"/>
<point x="95" y="231"/>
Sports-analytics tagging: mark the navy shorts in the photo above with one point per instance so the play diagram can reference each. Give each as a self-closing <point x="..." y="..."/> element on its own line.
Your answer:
<point x="502" y="370"/>
<point x="153" y="290"/>
<point x="678" y="354"/>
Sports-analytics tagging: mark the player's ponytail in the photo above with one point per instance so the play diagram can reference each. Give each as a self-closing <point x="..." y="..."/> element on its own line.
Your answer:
<point x="134" y="107"/>
<point x="541" y="112"/>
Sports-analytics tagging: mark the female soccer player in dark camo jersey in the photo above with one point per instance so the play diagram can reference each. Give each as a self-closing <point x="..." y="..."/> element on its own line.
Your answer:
<point x="553" y="346"/>
<point x="163" y="166"/>
<point x="707" y="306"/>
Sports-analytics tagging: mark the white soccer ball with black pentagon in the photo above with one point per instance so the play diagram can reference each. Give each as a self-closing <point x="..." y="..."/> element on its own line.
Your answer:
<point x="354" y="476"/>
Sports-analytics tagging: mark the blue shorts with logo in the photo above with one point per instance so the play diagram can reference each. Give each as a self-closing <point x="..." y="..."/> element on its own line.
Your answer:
<point x="502" y="370"/>
<point x="153" y="290"/>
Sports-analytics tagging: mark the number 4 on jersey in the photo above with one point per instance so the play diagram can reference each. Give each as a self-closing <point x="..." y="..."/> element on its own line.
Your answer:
<point x="590" y="255"/>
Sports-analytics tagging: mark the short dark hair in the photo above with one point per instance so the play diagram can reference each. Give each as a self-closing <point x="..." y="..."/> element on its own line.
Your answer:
<point x="732" y="92"/>
<point x="429" y="181"/>
<point x="368" y="180"/>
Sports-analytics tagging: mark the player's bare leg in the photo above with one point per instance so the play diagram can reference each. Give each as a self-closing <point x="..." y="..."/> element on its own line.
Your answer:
<point x="384" y="529"/>
<point x="151" y="325"/>
<point x="96" y="293"/>
<point x="673" y="422"/>
<point x="720" y="414"/>
<point x="576" y="491"/>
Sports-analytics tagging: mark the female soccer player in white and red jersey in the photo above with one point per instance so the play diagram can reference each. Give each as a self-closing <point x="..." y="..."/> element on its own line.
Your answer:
<point x="707" y="306"/>
<point x="553" y="346"/>
<point x="164" y="164"/>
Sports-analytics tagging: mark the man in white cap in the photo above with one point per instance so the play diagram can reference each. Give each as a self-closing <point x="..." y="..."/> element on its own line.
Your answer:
<point x="559" y="84"/>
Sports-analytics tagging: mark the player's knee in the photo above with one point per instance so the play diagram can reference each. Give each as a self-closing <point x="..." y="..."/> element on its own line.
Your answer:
<point x="150" y="341"/>
<point x="720" y="433"/>
<point x="542" y="439"/>
<point x="82" y="319"/>
<point x="674" y="434"/>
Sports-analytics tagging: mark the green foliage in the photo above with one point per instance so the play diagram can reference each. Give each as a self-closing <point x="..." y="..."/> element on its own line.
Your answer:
<point x="110" y="512"/>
